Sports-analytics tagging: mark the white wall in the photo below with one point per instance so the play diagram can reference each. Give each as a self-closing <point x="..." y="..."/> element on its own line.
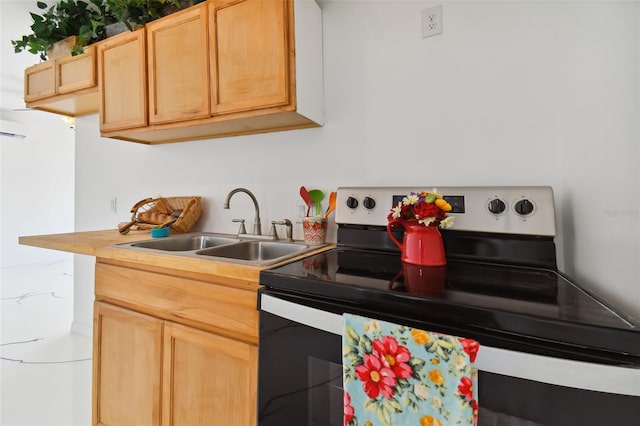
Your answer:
<point x="36" y="173"/>
<point x="513" y="93"/>
<point x="599" y="146"/>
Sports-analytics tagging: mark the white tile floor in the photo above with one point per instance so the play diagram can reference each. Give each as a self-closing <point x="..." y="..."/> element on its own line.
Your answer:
<point x="45" y="371"/>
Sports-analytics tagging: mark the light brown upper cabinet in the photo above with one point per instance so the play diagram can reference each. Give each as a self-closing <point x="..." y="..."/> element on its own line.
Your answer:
<point x="122" y="79"/>
<point x="178" y="66"/>
<point x="66" y="85"/>
<point x="250" y="55"/>
<point x="229" y="67"/>
<point x="40" y="81"/>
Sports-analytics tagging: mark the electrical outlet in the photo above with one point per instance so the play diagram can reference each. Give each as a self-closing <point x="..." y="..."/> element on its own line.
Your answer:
<point x="114" y="205"/>
<point x="432" y="21"/>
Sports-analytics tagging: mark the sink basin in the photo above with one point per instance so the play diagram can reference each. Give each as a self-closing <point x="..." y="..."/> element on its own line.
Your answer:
<point x="257" y="252"/>
<point x="223" y="247"/>
<point x="185" y="243"/>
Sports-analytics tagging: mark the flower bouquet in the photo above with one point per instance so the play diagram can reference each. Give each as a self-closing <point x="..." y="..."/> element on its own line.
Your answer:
<point x="427" y="208"/>
<point x="421" y="214"/>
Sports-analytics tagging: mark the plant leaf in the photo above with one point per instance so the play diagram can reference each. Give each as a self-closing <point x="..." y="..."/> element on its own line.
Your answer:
<point x="370" y="404"/>
<point x="365" y="344"/>
<point x="384" y="415"/>
<point x="351" y="335"/>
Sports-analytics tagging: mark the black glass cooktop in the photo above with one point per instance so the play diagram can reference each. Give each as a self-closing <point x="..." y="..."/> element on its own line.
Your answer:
<point x="528" y="302"/>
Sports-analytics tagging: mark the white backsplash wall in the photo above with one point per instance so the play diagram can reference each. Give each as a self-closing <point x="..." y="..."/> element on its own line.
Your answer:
<point x="512" y="93"/>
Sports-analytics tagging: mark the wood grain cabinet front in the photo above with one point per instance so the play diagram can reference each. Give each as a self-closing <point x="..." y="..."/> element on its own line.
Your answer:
<point x="178" y="66"/>
<point x="122" y="78"/>
<point x="78" y="72"/>
<point x="127" y="365"/>
<point x="250" y="52"/>
<point x="219" y="68"/>
<point x="66" y="85"/>
<point x="170" y="350"/>
<point x="230" y="67"/>
<point x="40" y="81"/>
<point x="207" y="379"/>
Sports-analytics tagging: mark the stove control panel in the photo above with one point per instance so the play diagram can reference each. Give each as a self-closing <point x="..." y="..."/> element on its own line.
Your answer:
<point x="526" y="210"/>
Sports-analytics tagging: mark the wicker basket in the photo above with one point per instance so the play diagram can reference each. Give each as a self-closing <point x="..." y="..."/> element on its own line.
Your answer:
<point x="190" y="206"/>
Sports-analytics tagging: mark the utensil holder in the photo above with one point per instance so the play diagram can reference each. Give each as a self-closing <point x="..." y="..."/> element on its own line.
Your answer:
<point x="315" y="229"/>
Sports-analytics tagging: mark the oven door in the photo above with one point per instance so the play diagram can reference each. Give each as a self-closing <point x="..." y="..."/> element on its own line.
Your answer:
<point x="299" y="374"/>
<point x="300" y="378"/>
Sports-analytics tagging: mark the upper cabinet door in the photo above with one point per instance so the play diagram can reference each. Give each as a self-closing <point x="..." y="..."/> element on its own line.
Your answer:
<point x="76" y="72"/>
<point x="65" y="85"/>
<point x="178" y="60"/>
<point x="251" y="53"/>
<point x="122" y="81"/>
<point x="39" y="81"/>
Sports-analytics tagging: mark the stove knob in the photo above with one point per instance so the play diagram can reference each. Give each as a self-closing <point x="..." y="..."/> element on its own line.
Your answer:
<point x="369" y="203"/>
<point x="352" y="203"/>
<point x="524" y="207"/>
<point x="496" y="206"/>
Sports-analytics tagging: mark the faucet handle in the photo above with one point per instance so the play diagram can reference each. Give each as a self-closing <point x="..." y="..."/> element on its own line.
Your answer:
<point x="286" y="222"/>
<point x="242" y="229"/>
<point x="273" y="232"/>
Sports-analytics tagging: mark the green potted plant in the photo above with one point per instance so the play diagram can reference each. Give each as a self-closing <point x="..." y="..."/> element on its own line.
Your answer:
<point x="85" y="20"/>
<point x="134" y="13"/>
<point x="88" y="21"/>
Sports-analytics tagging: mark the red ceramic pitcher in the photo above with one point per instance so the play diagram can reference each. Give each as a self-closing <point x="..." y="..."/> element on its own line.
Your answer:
<point x="422" y="245"/>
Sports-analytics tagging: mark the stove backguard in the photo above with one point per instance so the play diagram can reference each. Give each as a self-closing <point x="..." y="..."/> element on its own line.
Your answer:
<point x="514" y="249"/>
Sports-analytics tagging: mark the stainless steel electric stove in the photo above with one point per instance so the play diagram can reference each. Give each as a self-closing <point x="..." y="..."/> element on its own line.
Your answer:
<point x="551" y="352"/>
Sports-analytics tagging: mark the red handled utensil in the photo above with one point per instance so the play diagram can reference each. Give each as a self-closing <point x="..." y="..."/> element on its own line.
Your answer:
<point x="306" y="197"/>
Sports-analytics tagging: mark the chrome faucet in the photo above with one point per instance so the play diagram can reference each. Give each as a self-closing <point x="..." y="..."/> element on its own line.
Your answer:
<point x="257" y="227"/>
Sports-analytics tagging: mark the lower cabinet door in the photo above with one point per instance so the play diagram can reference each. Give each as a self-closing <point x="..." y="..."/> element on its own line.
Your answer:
<point x="207" y="379"/>
<point x="127" y="367"/>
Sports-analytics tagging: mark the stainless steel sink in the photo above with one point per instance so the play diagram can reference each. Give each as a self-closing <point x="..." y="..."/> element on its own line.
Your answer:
<point x="185" y="243"/>
<point x="257" y="252"/>
<point x="223" y="247"/>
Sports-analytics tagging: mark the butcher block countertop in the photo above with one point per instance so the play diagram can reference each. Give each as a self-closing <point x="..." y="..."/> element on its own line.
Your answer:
<point x="100" y="244"/>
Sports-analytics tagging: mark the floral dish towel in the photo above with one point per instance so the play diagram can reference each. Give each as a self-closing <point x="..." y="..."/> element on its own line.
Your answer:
<point x="401" y="376"/>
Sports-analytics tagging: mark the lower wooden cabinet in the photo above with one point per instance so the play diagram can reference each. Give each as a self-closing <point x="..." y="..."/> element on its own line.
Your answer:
<point x="207" y="379"/>
<point x="172" y="350"/>
<point x="153" y="372"/>
<point x="127" y="367"/>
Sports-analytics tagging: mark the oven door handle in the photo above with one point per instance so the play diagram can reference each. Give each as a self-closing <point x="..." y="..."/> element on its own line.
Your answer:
<point x="539" y="368"/>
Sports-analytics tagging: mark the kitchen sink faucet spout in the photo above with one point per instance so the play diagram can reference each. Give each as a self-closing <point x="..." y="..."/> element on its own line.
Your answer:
<point x="257" y="227"/>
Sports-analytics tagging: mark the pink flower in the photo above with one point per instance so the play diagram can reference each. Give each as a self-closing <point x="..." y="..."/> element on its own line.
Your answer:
<point x="348" y="409"/>
<point x="474" y="406"/>
<point x="466" y="388"/>
<point x="470" y="347"/>
<point x="394" y="356"/>
<point x="378" y="379"/>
